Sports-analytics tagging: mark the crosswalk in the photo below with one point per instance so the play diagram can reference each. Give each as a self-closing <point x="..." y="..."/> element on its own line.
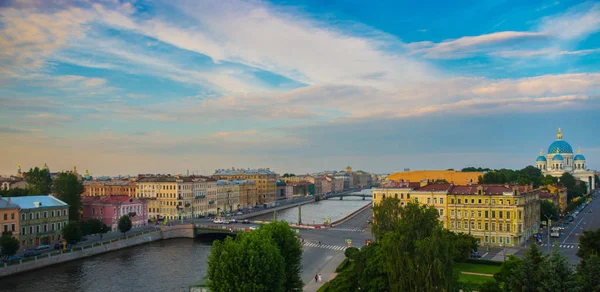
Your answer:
<point x="562" y="245"/>
<point x="327" y="246"/>
<point x="347" y="229"/>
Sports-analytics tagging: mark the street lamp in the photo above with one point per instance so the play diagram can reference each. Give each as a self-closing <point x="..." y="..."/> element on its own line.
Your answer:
<point x="548" y="221"/>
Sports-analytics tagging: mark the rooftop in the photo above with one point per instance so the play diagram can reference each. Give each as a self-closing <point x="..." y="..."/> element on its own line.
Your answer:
<point x="27" y="202"/>
<point x="109" y="200"/>
<point x="107" y="183"/>
<point x="248" y="171"/>
<point x="166" y="179"/>
<point x="5" y="204"/>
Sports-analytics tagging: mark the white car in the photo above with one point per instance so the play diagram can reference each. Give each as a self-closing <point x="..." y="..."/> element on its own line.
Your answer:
<point x="218" y="221"/>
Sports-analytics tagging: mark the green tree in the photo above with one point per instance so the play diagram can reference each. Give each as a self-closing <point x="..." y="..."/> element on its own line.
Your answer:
<point x="589" y="243"/>
<point x="93" y="226"/>
<point x="365" y="272"/>
<point x="9" y="245"/>
<point x="72" y="232"/>
<point x="68" y="188"/>
<point x="290" y="248"/>
<point x="589" y="274"/>
<point x="419" y="252"/>
<point x="527" y="276"/>
<point x="251" y="262"/>
<point x="507" y="271"/>
<point x="549" y="180"/>
<point x="39" y="182"/>
<point x="556" y="274"/>
<point x="17" y="192"/>
<point x="385" y="216"/>
<point x="490" y="286"/>
<point x="124" y="224"/>
<point x="548" y="209"/>
<point x="474" y="169"/>
<point x="465" y="244"/>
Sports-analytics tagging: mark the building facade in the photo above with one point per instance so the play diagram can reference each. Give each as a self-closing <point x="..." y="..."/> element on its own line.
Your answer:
<point x="41" y="219"/>
<point x="498" y="215"/>
<point x="205" y="196"/>
<point x="560" y="159"/>
<point x="168" y="197"/>
<point x="109" y="209"/>
<point x="561" y="194"/>
<point x="266" y="180"/>
<point x="9" y="217"/>
<point x="109" y="188"/>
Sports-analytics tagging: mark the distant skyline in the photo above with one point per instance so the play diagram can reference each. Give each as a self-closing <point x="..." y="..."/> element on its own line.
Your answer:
<point x="128" y="87"/>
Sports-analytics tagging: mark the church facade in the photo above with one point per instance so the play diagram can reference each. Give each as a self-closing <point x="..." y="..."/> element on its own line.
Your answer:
<point x="560" y="159"/>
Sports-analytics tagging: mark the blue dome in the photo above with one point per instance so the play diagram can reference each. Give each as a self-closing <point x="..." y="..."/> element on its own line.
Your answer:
<point x="558" y="157"/>
<point x="579" y="157"/>
<point x="541" y="158"/>
<point x="560" y="145"/>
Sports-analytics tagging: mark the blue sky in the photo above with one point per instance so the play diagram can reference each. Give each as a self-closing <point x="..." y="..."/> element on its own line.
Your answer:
<point x="125" y="87"/>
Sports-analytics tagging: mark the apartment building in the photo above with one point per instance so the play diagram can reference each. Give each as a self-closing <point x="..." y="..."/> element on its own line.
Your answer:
<point x="109" y="188"/>
<point x="40" y="218"/>
<point x="265" y="179"/>
<point x="168" y="197"/>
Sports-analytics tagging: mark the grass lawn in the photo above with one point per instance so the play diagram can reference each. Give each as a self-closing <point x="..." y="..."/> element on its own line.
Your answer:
<point x="478" y="280"/>
<point x="477" y="268"/>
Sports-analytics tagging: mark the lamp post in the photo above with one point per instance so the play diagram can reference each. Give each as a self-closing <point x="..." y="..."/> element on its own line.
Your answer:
<point x="548" y="221"/>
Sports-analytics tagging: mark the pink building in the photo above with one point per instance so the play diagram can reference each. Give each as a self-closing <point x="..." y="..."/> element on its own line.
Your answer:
<point x="109" y="209"/>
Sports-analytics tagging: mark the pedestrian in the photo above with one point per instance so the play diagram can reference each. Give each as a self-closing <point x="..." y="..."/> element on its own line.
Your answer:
<point x="316" y="278"/>
<point x="320" y="279"/>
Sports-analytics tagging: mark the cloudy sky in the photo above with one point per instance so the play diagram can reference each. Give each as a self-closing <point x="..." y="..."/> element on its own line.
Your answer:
<point x="126" y="87"/>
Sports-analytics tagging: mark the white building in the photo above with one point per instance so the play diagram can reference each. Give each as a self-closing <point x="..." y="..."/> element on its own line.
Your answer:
<point x="560" y="159"/>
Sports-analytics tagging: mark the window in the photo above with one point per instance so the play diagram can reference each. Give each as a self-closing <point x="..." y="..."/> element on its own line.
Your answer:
<point x="416" y="200"/>
<point x="487" y="238"/>
<point x="479" y="225"/>
<point x="486" y="226"/>
<point x="493" y="214"/>
<point x="23" y="216"/>
<point x="451" y="213"/>
<point x="396" y="196"/>
<point x="5" y="216"/>
<point x="466" y="226"/>
<point x="45" y="214"/>
<point x="5" y="227"/>
<point x="52" y="214"/>
<point x="401" y="195"/>
<point x="487" y="201"/>
<point x="500" y="239"/>
<point x="493" y="226"/>
<point x="459" y="201"/>
<point x="408" y="196"/>
<point x="12" y="216"/>
<point x="486" y="214"/>
<point x="53" y="227"/>
<point x="472" y="225"/>
<point x="45" y="227"/>
<point x="520" y="215"/>
<point x="493" y="202"/>
<point x="37" y="229"/>
<point x="520" y="228"/>
<point x="499" y="226"/>
<point x="435" y="200"/>
<point x="507" y="227"/>
<point x="466" y="214"/>
<point x="508" y="240"/>
<point x="441" y="200"/>
<point x="516" y="202"/>
<point x="441" y="212"/>
<point x="452" y="224"/>
<point x="472" y="201"/>
<point x="428" y="200"/>
<point x="479" y="201"/>
<point x="23" y="229"/>
<point x="507" y="214"/>
<point x="493" y="239"/>
<point x="458" y="225"/>
<point x="508" y="202"/>
<point x="472" y="214"/>
<point x="478" y="214"/>
<point x="501" y="201"/>
<point x="451" y="201"/>
<point x="30" y="229"/>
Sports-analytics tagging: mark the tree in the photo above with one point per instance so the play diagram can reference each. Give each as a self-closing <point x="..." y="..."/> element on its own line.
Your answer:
<point x="16" y="192"/>
<point x="365" y="272"/>
<point x="507" y="270"/>
<point x="465" y="244"/>
<point x="548" y="209"/>
<point x="9" y="245"/>
<point x="124" y="224"/>
<point x="419" y="252"/>
<point x="385" y="217"/>
<point x="93" y="226"/>
<point x="251" y="262"/>
<point x="556" y="274"/>
<point x="490" y="286"/>
<point x="290" y="248"/>
<point x="549" y="180"/>
<point x="39" y="182"/>
<point x="72" y="232"/>
<point x="526" y="277"/>
<point x="589" y="243"/>
<point x="474" y="169"/>
<point x="589" y="274"/>
<point x="68" y="188"/>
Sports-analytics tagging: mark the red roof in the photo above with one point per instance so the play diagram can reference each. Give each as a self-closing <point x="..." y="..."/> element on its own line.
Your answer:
<point x="435" y="187"/>
<point x="545" y="195"/>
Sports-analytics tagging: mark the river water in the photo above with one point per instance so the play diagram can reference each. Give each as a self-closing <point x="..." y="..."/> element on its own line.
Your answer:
<point x="318" y="212"/>
<point x="168" y="265"/>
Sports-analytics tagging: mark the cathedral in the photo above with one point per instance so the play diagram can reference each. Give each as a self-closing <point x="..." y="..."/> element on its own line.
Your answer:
<point x="560" y="159"/>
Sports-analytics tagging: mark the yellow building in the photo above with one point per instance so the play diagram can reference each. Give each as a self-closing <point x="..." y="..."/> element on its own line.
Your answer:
<point x="266" y="181"/>
<point x="498" y="215"/>
<point x="168" y="197"/>
<point x="561" y="193"/>
<point x="450" y="176"/>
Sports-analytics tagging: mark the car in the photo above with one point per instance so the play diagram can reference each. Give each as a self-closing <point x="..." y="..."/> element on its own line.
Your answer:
<point x="369" y="221"/>
<point x="42" y="246"/>
<point x="252" y="227"/>
<point x="31" y="253"/>
<point x="14" y="258"/>
<point x="239" y="213"/>
<point x="232" y="220"/>
<point x="218" y="221"/>
<point x="475" y="255"/>
<point x="555" y="234"/>
<point x="250" y="211"/>
<point x="246" y="221"/>
<point x="228" y="215"/>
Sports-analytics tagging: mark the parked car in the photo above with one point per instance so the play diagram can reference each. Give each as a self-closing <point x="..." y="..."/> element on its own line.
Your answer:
<point x="232" y="220"/>
<point x="246" y="221"/>
<point x="239" y="213"/>
<point x="475" y="255"/>
<point x="14" y="258"/>
<point x="218" y="221"/>
<point x="42" y="246"/>
<point x="31" y="253"/>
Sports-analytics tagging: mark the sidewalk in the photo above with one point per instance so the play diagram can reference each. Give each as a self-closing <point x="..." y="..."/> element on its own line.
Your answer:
<point x="327" y="273"/>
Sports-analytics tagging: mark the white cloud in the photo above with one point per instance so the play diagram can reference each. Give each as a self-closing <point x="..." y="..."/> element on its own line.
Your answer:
<point x="578" y="22"/>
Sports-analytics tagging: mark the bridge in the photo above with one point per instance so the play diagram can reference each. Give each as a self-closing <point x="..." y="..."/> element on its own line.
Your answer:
<point x="342" y="195"/>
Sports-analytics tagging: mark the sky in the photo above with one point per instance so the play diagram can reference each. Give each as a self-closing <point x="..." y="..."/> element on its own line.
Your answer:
<point x="127" y="87"/>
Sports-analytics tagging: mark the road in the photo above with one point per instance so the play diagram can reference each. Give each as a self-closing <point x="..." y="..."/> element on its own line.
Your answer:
<point x="567" y="243"/>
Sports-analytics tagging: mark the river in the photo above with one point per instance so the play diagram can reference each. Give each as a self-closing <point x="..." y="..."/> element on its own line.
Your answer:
<point x="168" y="265"/>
